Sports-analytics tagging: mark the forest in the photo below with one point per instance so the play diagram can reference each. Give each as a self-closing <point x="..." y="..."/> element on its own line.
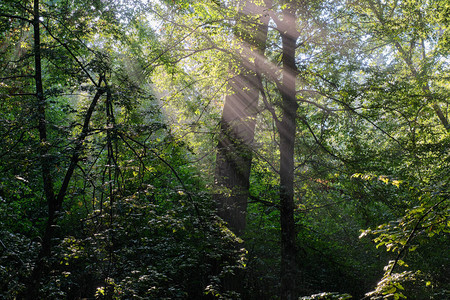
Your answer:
<point x="224" y="149"/>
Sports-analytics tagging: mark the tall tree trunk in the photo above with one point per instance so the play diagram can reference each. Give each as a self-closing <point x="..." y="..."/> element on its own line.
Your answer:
<point x="54" y="201"/>
<point x="234" y="153"/>
<point x="287" y="129"/>
<point x="33" y="285"/>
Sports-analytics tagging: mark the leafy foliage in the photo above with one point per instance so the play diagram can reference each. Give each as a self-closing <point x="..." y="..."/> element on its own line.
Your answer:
<point x="133" y="93"/>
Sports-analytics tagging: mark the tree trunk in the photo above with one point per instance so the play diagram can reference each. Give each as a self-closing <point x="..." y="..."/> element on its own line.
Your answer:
<point x="287" y="129"/>
<point x="54" y="202"/>
<point x="34" y="282"/>
<point x="234" y="152"/>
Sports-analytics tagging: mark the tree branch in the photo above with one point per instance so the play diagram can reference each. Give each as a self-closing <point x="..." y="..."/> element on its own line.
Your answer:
<point x="78" y="145"/>
<point x="16" y="17"/>
<point x="411" y="235"/>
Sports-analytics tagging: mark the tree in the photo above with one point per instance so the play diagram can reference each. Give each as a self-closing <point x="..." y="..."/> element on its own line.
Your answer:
<point x="287" y="130"/>
<point x="412" y="48"/>
<point x="238" y="121"/>
<point x="400" y="94"/>
<point x="94" y="74"/>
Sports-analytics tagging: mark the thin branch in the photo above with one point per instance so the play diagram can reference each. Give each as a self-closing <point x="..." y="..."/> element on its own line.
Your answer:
<point x="13" y="146"/>
<point x="353" y="110"/>
<point x="22" y="94"/>
<point x="266" y="160"/>
<point x="16" y="17"/>
<point x="264" y="202"/>
<point x="305" y="210"/>
<point x="79" y="144"/>
<point x="328" y="110"/>
<point x="17" y="76"/>
<point x="172" y="169"/>
<point x="268" y="106"/>
<point x="411" y="235"/>
<point x="71" y="54"/>
<point x="319" y="142"/>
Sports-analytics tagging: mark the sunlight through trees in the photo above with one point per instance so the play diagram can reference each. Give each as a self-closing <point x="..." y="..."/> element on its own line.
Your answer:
<point x="244" y="149"/>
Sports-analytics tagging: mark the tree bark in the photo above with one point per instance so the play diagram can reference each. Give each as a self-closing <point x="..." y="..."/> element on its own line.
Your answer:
<point x="237" y="127"/>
